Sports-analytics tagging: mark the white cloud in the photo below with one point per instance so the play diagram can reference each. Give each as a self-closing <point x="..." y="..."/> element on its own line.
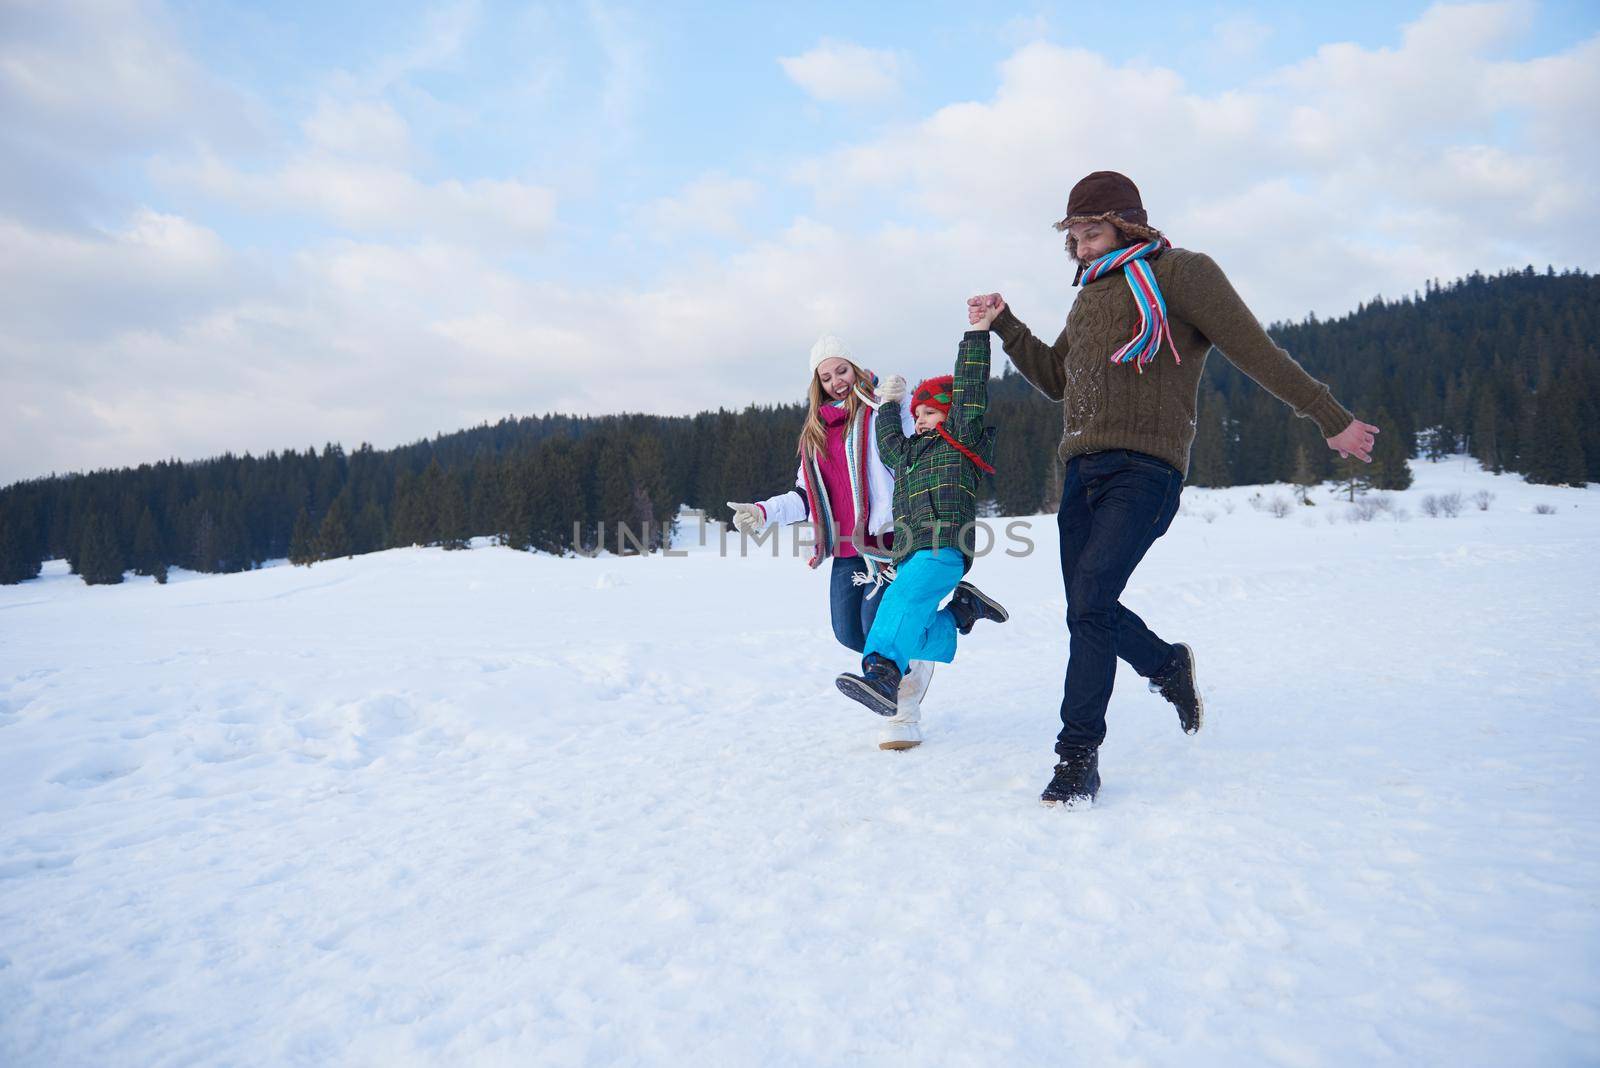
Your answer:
<point x="1020" y="30"/>
<point x="626" y="67"/>
<point x="58" y="287"/>
<point x="108" y="75"/>
<point x="712" y="203"/>
<point x="1311" y="190"/>
<point x="438" y="44"/>
<point x="87" y="87"/>
<point x="370" y="197"/>
<point x="1237" y="38"/>
<point x="362" y="129"/>
<point x="842" y="72"/>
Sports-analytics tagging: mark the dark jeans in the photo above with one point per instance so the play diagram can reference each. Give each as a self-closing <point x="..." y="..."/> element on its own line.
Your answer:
<point x="852" y="612"/>
<point x="1114" y="505"/>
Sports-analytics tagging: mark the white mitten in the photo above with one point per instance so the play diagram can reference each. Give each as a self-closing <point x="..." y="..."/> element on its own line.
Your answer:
<point x="893" y="389"/>
<point x="748" y="517"/>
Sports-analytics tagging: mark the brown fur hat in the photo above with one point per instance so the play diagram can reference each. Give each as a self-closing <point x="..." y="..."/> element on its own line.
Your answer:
<point x="1107" y="195"/>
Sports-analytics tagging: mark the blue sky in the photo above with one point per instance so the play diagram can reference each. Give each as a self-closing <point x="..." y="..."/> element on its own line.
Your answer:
<point x="250" y="226"/>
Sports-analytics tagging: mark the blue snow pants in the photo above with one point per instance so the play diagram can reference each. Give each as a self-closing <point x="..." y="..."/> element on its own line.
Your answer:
<point x="910" y="624"/>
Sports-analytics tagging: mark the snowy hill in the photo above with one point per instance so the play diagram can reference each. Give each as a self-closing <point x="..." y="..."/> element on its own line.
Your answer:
<point x="488" y="807"/>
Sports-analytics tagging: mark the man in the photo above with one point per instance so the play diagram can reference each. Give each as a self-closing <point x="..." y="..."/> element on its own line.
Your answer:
<point x="1126" y="370"/>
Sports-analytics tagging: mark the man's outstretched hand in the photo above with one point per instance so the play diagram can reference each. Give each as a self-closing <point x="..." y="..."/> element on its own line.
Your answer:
<point x="982" y="310"/>
<point x="1355" y="440"/>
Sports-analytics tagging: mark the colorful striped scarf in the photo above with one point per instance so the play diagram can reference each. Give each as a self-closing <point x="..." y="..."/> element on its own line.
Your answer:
<point x="1153" y="327"/>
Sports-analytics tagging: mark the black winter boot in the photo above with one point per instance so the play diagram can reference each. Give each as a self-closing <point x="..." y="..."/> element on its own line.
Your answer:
<point x="877" y="687"/>
<point x="1178" y="684"/>
<point x="970" y="604"/>
<point x="1077" y="780"/>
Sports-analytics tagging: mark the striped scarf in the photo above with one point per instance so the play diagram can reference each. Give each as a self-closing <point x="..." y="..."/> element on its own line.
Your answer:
<point x="1153" y="327"/>
<point x="857" y="435"/>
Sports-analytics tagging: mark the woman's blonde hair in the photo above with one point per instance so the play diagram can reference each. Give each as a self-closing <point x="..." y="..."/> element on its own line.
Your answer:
<point x="813" y="433"/>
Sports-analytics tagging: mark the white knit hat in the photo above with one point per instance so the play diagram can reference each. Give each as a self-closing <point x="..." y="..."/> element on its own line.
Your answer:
<point x="828" y="347"/>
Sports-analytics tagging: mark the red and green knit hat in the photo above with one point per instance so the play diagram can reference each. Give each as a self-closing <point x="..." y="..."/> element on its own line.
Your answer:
<point x="934" y="392"/>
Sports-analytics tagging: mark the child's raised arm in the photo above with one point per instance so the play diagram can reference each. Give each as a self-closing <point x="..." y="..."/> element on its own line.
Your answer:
<point x="969" y="390"/>
<point x="891" y="438"/>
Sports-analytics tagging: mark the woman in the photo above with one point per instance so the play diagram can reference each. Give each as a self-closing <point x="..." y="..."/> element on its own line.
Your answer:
<point x="844" y="487"/>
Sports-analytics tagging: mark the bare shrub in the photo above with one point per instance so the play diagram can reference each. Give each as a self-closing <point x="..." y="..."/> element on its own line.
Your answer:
<point x="1544" y="509"/>
<point x="1363" y="511"/>
<point x="1450" y="505"/>
<point x="1483" y="498"/>
<point x="1228" y="505"/>
<point x="1209" y="515"/>
<point x="1430" y="506"/>
<point x="1279" y="507"/>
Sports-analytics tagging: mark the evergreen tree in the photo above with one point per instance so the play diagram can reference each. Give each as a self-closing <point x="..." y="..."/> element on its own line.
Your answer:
<point x="1305" y="477"/>
<point x="1486" y="432"/>
<point x="100" y="560"/>
<point x="75" y="523"/>
<point x="302" y="544"/>
<point x="431" y="491"/>
<point x="613" y="489"/>
<point x="653" y="507"/>
<point x="1016" y="479"/>
<point x="416" y="508"/>
<point x="368" y="535"/>
<point x="454" y="531"/>
<point x="741" y="477"/>
<point x="484" y="504"/>
<point x="19" y="560"/>
<point x="1388" y="470"/>
<point x="518" y="489"/>
<point x="1055" y="483"/>
<point x="1353" y="477"/>
<point x="1555" y="445"/>
<point x="559" y="500"/>
<point x="1208" y="458"/>
<point x="206" y="555"/>
<point x="334" y="538"/>
<point x="146" y="558"/>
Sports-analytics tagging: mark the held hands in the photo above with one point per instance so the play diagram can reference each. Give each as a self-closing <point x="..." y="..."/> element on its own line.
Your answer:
<point x="748" y="518"/>
<point x="893" y="389"/>
<point x="983" y="309"/>
<point x="1354" y="440"/>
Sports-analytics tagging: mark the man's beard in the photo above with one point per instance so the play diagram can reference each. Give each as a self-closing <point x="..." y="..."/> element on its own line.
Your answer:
<point x="1124" y="240"/>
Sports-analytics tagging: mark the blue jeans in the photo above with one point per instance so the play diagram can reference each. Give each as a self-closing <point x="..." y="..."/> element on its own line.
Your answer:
<point x="852" y="612"/>
<point x="912" y="626"/>
<point x="1114" y="505"/>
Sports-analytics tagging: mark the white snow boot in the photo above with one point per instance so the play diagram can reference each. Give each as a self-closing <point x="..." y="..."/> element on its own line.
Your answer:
<point x="901" y="731"/>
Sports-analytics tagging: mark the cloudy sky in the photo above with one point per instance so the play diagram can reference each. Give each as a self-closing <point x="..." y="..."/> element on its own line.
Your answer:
<point x="268" y="225"/>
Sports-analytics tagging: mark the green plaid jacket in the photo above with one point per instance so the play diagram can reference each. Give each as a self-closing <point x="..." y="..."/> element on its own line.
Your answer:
<point x="935" y="487"/>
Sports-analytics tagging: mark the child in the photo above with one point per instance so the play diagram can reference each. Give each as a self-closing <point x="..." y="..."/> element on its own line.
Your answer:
<point x="935" y="504"/>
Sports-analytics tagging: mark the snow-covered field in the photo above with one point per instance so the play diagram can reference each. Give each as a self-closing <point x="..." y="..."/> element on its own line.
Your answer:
<point x="494" y="808"/>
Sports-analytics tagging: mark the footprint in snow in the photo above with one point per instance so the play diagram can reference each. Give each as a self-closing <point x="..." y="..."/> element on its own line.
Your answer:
<point x="17" y="869"/>
<point x="94" y="771"/>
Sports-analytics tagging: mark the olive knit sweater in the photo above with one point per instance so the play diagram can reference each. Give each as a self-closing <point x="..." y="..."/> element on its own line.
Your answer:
<point x="1112" y="406"/>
